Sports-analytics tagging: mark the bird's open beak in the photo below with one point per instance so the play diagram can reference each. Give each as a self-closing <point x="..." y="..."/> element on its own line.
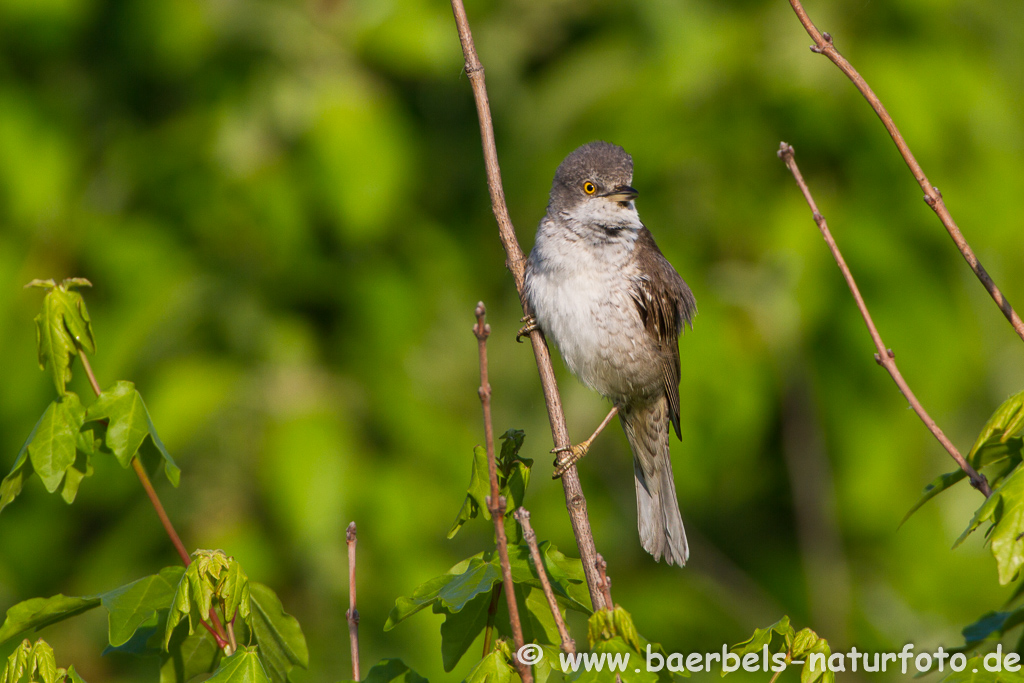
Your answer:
<point x="622" y="193"/>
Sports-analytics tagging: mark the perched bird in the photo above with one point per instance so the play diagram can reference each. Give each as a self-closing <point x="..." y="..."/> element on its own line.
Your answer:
<point x="599" y="287"/>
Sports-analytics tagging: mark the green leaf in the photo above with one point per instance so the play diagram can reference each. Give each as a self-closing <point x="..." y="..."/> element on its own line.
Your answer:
<point x="1007" y="420"/>
<point x="1005" y="509"/>
<point x="73" y="676"/>
<point x="136" y="603"/>
<point x="43" y="662"/>
<point x="129" y="425"/>
<point x="511" y="443"/>
<point x="995" y="443"/>
<point x="605" y="625"/>
<point x="73" y="477"/>
<point x="992" y="625"/>
<point x="549" y="668"/>
<point x="282" y="645"/>
<point x="242" y="667"/>
<point x="937" y="486"/>
<point x="171" y="469"/>
<point x="568" y="581"/>
<point x="464" y="598"/>
<point x="478" y="578"/>
<point x="806" y="643"/>
<point x="34" y="662"/>
<point x="62" y="328"/>
<point x="454" y="589"/>
<point x="494" y="668"/>
<point x="212" y="579"/>
<point x="514" y="490"/>
<point x="535" y="614"/>
<point x="423" y="596"/>
<point x="392" y="671"/>
<point x="476" y="495"/>
<point x="35" y="613"/>
<point x="11" y="486"/>
<point x="17" y="664"/>
<point x="234" y="592"/>
<point x="145" y="641"/>
<point x="22" y="470"/>
<point x="188" y="656"/>
<point x="513" y="478"/>
<point x="461" y="628"/>
<point x="53" y="447"/>
<point x="767" y="636"/>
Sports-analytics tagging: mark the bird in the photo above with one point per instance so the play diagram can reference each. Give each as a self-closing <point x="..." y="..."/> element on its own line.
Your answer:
<point x="597" y="285"/>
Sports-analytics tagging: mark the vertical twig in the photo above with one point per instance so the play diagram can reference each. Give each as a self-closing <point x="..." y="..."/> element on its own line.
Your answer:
<point x="352" y="614"/>
<point x="530" y="536"/>
<point x="823" y="45"/>
<point x="218" y="633"/>
<point x="495" y="502"/>
<point x="606" y="582"/>
<point x="231" y="635"/>
<point x="574" y="499"/>
<point x="885" y="357"/>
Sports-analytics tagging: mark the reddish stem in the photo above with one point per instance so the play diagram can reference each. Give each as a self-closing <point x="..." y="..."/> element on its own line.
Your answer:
<point x="218" y="632"/>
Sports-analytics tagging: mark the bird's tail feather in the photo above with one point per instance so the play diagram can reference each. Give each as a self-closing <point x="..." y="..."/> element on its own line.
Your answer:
<point x="658" y="518"/>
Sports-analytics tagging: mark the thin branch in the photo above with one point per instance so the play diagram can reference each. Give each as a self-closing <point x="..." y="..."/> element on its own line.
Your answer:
<point x="217" y="630"/>
<point x="523" y="517"/>
<point x="352" y="614"/>
<point x="495" y="502"/>
<point x="823" y="45"/>
<point x="885" y="357"/>
<point x="144" y="479"/>
<point x="231" y="636"/>
<point x="574" y="499"/>
<point x="606" y="583"/>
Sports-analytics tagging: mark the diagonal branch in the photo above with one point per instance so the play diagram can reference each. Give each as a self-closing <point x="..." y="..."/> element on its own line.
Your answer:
<point x="823" y="45"/>
<point x="574" y="499"/>
<point x="495" y="502"/>
<point x="217" y="630"/>
<point x="530" y="536"/>
<point x="885" y="357"/>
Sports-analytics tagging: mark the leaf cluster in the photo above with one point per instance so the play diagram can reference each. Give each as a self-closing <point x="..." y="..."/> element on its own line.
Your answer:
<point x="513" y="478"/>
<point x="63" y="442"/>
<point x="782" y="638"/>
<point x="997" y="452"/>
<point x="212" y="578"/>
<point x="36" y="662"/>
<point x="140" y="621"/>
<point x="469" y="594"/>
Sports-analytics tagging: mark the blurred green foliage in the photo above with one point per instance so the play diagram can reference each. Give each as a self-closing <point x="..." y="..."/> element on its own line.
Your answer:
<point x="282" y="207"/>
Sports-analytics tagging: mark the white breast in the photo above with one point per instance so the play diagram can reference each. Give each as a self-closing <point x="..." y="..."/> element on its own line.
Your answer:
<point x="578" y="287"/>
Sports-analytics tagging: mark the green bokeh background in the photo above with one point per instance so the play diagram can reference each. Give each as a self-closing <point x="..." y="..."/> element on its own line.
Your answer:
<point x="282" y="207"/>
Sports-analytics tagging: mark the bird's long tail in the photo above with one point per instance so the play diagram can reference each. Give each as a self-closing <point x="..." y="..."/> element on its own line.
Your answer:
<point x="658" y="518"/>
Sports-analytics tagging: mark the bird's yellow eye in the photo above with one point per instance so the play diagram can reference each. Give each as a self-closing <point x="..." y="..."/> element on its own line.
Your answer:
<point x="589" y="187"/>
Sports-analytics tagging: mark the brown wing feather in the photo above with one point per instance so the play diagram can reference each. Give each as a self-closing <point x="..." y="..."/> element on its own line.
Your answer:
<point x="665" y="304"/>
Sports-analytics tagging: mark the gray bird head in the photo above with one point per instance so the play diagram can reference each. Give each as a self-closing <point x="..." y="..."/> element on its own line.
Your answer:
<point x="593" y="179"/>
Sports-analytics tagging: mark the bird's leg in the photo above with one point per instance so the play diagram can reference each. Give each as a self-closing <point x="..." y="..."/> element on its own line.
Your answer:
<point x="530" y="326"/>
<point x="573" y="454"/>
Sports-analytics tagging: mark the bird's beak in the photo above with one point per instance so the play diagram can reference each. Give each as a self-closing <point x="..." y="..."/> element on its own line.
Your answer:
<point x="622" y="193"/>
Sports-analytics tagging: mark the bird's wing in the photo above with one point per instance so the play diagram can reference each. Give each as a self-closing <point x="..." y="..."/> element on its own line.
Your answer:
<point x="665" y="304"/>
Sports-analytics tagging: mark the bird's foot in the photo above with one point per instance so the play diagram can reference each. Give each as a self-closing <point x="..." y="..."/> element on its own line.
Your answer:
<point x="530" y="326"/>
<point x="568" y="456"/>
